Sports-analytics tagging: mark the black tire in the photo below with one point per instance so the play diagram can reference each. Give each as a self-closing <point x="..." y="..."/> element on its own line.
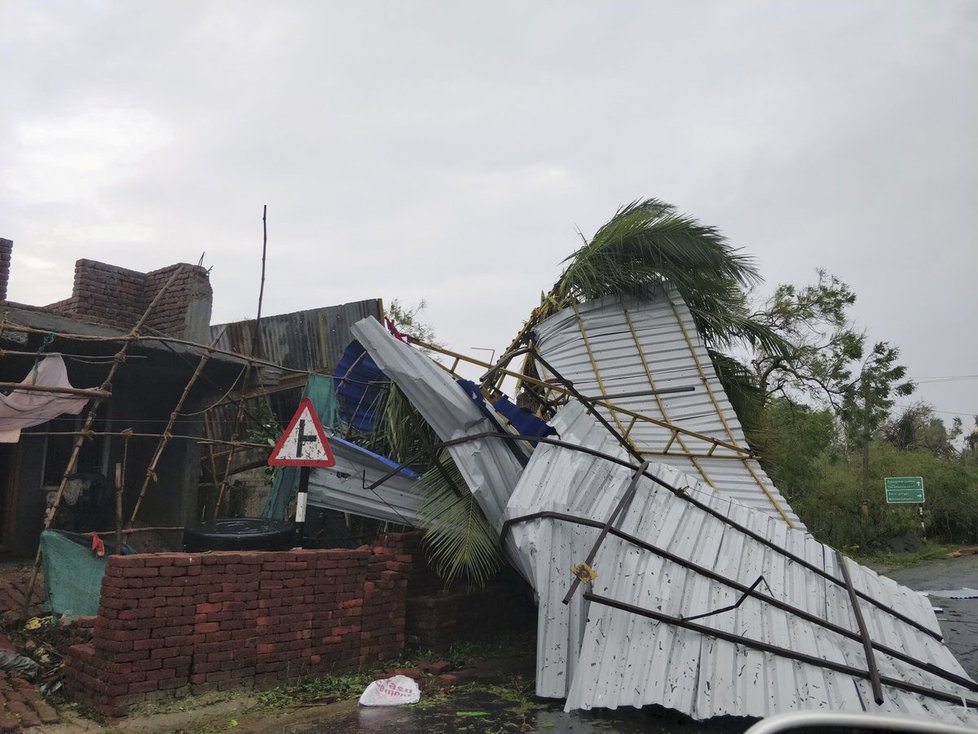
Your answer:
<point x="240" y="533"/>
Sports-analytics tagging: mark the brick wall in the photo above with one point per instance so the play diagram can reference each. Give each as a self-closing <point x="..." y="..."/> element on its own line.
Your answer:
<point x="176" y="623"/>
<point x="435" y="621"/>
<point x="118" y="296"/>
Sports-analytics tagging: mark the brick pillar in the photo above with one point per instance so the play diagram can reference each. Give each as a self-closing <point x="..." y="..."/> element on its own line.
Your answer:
<point x="6" y="246"/>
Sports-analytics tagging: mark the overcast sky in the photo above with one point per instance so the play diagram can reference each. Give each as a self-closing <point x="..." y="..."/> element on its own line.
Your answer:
<point x="451" y="151"/>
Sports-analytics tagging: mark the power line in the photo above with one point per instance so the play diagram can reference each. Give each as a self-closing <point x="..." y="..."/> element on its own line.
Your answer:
<point x="945" y="378"/>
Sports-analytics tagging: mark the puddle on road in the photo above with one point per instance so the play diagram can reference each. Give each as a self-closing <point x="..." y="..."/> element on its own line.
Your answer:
<point x="473" y="712"/>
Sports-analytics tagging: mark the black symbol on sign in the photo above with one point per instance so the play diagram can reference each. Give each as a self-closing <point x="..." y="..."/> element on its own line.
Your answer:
<point x="303" y="438"/>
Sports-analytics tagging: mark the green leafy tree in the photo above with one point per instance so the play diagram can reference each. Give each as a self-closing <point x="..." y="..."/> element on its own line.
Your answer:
<point x="410" y="320"/>
<point x="918" y="428"/>
<point x="827" y="361"/>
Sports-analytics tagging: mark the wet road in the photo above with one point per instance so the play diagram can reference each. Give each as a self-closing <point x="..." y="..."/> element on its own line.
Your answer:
<point x="487" y="713"/>
<point x="959" y="620"/>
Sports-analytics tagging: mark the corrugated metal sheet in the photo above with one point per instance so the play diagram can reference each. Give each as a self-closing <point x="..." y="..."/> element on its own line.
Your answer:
<point x="309" y="341"/>
<point x="343" y="486"/>
<point x="609" y="346"/>
<point x="304" y="340"/>
<point x="488" y="466"/>
<point x="599" y="656"/>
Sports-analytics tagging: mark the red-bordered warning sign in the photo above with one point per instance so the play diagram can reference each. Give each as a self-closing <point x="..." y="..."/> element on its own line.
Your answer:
<point x="304" y="441"/>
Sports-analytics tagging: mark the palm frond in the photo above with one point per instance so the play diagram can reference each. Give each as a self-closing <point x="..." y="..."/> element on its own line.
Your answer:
<point x="645" y="242"/>
<point x="648" y="242"/>
<point x="401" y="432"/>
<point x="459" y="541"/>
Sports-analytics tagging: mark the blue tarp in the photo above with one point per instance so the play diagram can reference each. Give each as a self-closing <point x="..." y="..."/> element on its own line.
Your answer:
<point x="525" y="423"/>
<point x="360" y="387"/>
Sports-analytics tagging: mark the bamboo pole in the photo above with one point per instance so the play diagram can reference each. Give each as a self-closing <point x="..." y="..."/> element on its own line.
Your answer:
<point x="165" y="438"/>
<point x="55" y="390"/>
<point x="120" y="357"/>
<point x="119" y="490"/>
<point x="255" y="352"/>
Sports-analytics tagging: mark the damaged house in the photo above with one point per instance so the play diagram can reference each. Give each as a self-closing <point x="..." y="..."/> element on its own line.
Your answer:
<point x="71" y="348"/>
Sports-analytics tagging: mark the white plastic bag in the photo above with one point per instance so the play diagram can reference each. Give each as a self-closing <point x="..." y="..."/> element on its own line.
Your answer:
<point x="394" y="691"/>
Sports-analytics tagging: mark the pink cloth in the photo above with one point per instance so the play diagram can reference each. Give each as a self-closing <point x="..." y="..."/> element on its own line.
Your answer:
<point x="26" y="408"/>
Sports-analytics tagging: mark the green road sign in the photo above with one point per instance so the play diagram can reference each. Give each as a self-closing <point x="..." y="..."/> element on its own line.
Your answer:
<point x="904" y="490"/>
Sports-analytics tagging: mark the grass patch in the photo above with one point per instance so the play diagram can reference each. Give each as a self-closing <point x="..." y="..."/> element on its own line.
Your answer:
<point x="888" y="559"/>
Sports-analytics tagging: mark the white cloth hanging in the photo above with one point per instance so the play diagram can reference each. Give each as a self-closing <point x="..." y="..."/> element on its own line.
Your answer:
<point x="26" y="408"/>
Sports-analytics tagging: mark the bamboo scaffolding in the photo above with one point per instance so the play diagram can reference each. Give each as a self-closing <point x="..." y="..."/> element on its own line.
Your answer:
<point x="134" y="434"/>
<point x="165" y="438"/>
<point x="119" y="359"/>
<point x="252" y="361"/>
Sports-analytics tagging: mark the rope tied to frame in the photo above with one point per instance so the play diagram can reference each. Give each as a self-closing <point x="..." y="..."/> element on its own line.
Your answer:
<point x="584" y="573"/>
<point x="45" y="343"/>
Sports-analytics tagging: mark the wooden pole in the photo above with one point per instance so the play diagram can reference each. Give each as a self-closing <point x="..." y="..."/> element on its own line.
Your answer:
<point x="55" y="390"/>
<point x="255" y="352"/>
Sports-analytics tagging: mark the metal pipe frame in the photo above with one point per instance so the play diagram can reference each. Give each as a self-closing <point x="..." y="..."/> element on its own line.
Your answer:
<point x="781" y="651"/>
<point x="747" y="591"/>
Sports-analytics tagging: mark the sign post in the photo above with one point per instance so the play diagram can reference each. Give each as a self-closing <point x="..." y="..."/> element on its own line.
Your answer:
<point x="904" y="490"/>
<point x="303" y="444"/>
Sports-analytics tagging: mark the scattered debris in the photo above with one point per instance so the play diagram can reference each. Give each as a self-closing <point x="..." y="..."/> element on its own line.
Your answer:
<point x="396" y="691"/>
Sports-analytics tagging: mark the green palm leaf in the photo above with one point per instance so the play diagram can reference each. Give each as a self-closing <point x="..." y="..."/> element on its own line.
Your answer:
<point x="459" y="541"/>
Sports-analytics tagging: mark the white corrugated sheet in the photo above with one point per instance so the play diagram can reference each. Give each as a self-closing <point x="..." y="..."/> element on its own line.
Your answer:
<point x="343" y="486"/>
<point x="599" y="656"/>
<point x="488" y="466"/>
<point x="608" y="346"/>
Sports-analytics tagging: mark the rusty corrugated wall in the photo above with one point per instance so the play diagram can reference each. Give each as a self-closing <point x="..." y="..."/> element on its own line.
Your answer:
<point x="304" y="340"/>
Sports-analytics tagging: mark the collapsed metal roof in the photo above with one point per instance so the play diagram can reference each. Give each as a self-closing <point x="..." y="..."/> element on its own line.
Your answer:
<point x="489" y="466"/>
<point x="705" y="605"/>
<point x="612" y="347"/>
<point x="344" y="486"/>
<point x="710" y="597"/>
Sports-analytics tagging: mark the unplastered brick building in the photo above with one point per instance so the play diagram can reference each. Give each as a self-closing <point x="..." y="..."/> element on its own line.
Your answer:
<point x="88" y="329"/>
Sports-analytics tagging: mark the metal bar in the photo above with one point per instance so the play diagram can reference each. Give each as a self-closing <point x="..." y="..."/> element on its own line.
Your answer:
<point x="747" y="591"/>
<point x="642" y="393"/>
<point x="625" y="444"/>
<point x="626" y="498"/>
<point x="731" y="607"/>
<point x="781" y="651"/>
<point x="874" y="673"/>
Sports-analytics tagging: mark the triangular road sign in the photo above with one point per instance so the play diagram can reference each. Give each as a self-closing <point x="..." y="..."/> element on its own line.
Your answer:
<point x="304" y="441"/>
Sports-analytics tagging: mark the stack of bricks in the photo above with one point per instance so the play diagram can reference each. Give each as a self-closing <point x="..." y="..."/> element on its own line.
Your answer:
<point x="21" y="705"/>
<point x="176" y="623"/>
<point x="118" y="296"/>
